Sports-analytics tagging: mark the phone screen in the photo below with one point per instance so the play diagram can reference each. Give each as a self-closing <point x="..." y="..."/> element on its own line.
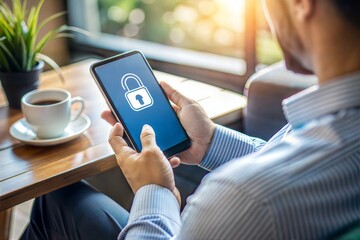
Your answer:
<point x="137" y="99"/>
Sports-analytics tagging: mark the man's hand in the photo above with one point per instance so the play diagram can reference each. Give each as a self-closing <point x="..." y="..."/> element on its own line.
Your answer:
<point x="145" y="168"/>
<point x="195" y="121"/>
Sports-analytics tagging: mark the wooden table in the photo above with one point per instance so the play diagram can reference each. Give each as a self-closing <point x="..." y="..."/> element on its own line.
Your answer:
<point x="27" y="172"/>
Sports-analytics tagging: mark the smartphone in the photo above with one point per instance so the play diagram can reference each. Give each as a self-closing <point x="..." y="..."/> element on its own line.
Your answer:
<point x="136" y="98"/>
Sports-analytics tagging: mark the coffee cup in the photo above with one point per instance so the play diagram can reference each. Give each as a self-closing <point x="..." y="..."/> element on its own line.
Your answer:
<point x="48" y="112"/>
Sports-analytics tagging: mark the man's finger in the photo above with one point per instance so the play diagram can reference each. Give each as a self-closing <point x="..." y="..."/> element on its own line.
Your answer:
<point x="175" y="96"/>
<point x="119" y="145"/>
<point x="147" y="136"/>
<point x="116" y="140"/>
<point x="174" y="162"/>
<point x="176" y="108"/>
<point x="109" y="117"/>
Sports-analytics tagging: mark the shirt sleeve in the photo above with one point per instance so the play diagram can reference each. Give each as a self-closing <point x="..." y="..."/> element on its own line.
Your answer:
<point x="228" y="144"/>
<point x="230" y="213"/>
<point x="155" y="214"/>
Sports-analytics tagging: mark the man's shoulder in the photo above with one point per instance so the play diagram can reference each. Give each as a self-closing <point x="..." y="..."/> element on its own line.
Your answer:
<point x="298" y="186"/>
<point x="287" y="165"/>
<point x="257" y="174"/>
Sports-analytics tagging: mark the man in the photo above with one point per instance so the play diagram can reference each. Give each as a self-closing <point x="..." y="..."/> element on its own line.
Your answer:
<point x="302" y="184"/>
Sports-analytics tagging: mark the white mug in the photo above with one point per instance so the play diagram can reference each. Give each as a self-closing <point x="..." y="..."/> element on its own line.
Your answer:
<point x="48" y="112"/>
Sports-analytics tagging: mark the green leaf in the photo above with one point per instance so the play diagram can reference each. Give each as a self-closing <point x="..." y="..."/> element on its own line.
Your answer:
<point x="54" y="34"/>
<point x="35" y="18"/>
<point x="23" y="9"/>
<point x="8" y="53"/>
<point x="65" y="35"/>
<point x="31" y="60"/>
<point x="31" y="17"/>
<point x="4" y="23"/>
<point x="31" y="37"/>
<point x="19" y="9"/>
<point x="3" y="62"/>
<point x="24" y="55"/>
<point x="20" y="47"/>
<point x="6" y="11"/>
<point x="6" y="14"/>
<point x="49" y="19"/>
<point x="52" y="63"/>
<point x="81" y="31"/>
<point x="50" y="35"/>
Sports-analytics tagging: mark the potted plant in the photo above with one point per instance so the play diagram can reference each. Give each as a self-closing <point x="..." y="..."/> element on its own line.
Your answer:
<point x="21" y="60"/>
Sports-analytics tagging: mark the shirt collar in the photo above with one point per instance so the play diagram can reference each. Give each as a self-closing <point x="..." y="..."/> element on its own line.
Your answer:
<point x="319" y="100"/>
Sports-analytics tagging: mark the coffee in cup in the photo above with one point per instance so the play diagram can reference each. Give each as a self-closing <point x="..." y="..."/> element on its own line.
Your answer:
<point x="48" y="112"/>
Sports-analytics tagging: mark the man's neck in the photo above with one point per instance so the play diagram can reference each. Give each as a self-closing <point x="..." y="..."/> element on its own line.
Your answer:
<point x="339" y="58"/>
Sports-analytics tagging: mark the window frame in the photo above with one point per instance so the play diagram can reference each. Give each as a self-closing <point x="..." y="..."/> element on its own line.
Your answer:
<point x="236" y="72"/>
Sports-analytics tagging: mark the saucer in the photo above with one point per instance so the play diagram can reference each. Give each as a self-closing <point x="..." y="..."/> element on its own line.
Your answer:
<point x="21" y="131"/>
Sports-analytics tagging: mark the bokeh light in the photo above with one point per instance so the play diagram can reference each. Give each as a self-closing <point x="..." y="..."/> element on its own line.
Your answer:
<point x="177" y="35"/>
<point x="168" y="18"/>
<point x="224" y="37"/>
<point x="215" y="26"/>
<point x="137" y="16"/>
<point x="117" y="14"/>
<point x="185" y="14"/>
<point x="131" y="30"/>
<point x="149" y="1"/>
<point x="204" y="29"/>
<point x="206" y="7"/>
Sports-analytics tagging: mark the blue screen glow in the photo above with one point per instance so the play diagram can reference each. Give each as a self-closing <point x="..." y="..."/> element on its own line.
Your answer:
<point x="136" y="95"/>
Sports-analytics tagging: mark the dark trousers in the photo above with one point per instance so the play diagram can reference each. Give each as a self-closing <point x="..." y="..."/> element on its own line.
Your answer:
<point x="75" y="212"/>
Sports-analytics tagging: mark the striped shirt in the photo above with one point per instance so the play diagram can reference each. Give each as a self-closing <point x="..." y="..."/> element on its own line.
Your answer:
<point x="303" y="184"/>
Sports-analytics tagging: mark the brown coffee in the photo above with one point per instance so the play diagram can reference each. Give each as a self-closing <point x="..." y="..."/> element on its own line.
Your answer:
<point x="46" y="102"/>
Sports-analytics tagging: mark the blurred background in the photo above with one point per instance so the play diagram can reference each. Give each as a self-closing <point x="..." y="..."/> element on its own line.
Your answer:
<point x="221" y="42"/>
<point x="215" y="26"/>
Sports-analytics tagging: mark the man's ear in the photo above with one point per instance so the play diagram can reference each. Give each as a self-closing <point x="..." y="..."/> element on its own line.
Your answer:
<point x="303" y="9"/>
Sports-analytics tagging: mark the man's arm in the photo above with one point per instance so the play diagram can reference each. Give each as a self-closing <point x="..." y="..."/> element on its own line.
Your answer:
<point x="230" y="213"/>
<point x="155" y="214"/>
<point x="228" y="144"/>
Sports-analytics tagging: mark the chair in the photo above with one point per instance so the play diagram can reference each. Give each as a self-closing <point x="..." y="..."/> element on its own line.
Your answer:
<point x="265" y="90"/>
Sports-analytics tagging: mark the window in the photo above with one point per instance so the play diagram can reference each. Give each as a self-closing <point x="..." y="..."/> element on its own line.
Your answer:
<point x="209" y="37"/>
<point x="268" y="50"/>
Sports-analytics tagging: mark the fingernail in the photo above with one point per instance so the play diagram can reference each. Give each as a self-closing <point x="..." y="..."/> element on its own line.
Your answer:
<point x="146" y="127"/>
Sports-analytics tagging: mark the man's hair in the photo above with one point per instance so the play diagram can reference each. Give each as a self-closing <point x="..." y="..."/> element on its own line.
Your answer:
<point x="350" y="10"/>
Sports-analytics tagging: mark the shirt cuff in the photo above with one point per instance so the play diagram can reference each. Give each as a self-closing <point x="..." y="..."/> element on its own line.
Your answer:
<point x="228" y="144"/>
<point x="155" y="200"/>
<point x="212" y="158"/>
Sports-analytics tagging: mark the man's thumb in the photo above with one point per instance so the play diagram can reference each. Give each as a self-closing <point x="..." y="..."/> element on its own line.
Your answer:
<point x="147" y="136"/>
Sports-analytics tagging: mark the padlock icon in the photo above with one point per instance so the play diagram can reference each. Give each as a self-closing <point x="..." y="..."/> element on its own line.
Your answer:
<point x="138" y="98"/>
